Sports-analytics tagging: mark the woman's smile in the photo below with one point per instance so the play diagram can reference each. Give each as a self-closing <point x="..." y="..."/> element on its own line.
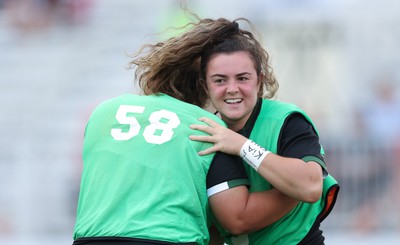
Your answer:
<point x="233" y="86"/>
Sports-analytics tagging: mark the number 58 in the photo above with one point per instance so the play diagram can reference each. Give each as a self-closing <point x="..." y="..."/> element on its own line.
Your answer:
<point x="156" y="124"/>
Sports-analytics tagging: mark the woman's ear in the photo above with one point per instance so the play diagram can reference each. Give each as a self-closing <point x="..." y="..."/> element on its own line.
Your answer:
<point x="261" y="77"/>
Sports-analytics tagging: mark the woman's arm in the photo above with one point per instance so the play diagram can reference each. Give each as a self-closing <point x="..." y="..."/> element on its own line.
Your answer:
<point x="241" y="212"/>
<point x="292" y="176"/>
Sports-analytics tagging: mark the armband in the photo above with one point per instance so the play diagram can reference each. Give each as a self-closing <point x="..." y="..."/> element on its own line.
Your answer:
<point x="253" y="154"/>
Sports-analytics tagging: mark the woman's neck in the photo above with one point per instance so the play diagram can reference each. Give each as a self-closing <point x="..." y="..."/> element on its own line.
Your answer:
<point x="235" y="125"/>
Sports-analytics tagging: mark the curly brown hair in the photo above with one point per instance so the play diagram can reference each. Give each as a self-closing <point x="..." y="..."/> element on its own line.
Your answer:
<point x="177" y="66"/>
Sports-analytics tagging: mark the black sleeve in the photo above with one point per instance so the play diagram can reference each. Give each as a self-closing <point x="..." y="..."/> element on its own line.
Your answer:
<point x="226" y="168"/>
<point x="298" y="139"/>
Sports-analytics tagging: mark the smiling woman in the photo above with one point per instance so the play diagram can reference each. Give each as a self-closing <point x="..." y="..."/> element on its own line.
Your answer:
<point x="233" y="86"/>
<point x="277" y="141"/>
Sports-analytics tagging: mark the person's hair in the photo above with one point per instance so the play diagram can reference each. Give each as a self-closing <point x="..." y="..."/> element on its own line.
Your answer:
<point x="236" y="39"/>
<point x="177" y="66"/>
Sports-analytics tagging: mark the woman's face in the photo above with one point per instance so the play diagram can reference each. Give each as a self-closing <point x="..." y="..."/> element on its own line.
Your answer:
<point x="233" y="86"/>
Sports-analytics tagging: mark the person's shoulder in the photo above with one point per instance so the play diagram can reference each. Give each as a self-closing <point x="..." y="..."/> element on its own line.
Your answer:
<point x="112" y="100"/>
<point x="105" y="102"/>
<point x="196" y="111"/>
<point x="280" y="104"/>
<point x="168" y="102"/>
<point x="200" y="112"/>
<point x="275" y="106"/>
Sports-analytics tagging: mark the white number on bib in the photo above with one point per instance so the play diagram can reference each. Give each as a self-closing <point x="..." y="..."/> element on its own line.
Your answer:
<point x="122" y="118"/>
<point x="159" y="131"/>
<point x="156" y="125"/>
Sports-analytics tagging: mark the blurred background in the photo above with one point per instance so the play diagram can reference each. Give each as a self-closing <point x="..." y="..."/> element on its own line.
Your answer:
<point x="337" y="59"/>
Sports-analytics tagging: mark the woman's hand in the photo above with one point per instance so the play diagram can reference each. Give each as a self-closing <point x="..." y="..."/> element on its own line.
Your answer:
<point x="224" y="139"/>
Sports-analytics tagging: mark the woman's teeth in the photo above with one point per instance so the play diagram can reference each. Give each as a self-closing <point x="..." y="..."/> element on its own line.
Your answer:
<point x="233" y="101"/>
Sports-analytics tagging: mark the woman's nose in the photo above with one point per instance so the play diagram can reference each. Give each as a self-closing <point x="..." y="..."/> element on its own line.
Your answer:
<point x="232" y="88"/>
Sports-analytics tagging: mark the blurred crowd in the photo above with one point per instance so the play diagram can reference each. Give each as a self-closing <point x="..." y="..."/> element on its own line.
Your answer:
<point x="36" y="15"/>
<point x="372" y="183"/>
